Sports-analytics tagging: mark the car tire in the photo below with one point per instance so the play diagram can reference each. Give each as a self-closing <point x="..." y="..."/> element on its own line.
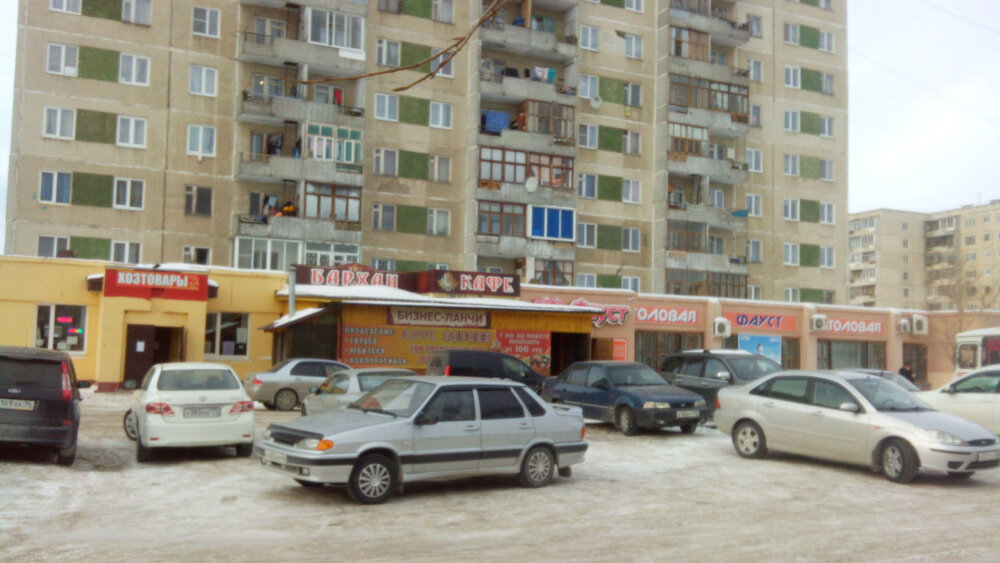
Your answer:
<point x="625" y="421"/>
<point x="566" y="471"/>
<point x="66" y="456"/>
<point x="268" y="406"/>
<point x="373" y="480"/>
<point x="286" y="400"/>
<point x="303" y="411"/>
<point x="142" y="453"/>
<point x="244" y="450"/>
<point x="537" y="467"/>
<point x="961" y="475"/>
<point x="898" y="461"/>
<point x="128" y="423"/>
<point x="749" y="440"/>
<point x="689" y="427"/>
<point x="308" y="484"/>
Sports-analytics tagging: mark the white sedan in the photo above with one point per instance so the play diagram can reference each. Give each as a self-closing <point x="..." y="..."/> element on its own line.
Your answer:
<point x="975" y="396"/>
<point x="345" y="386"/>
<point x="188" y="404"/>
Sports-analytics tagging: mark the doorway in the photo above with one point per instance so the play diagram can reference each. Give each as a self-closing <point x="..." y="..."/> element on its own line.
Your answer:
<point x="146" y="345"/>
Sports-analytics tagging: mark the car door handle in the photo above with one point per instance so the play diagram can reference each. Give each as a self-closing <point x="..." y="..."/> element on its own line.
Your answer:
<point x="704" y="384"/>
<point x="768" y="404"/>
<point x="818" y="413"/>
<point x="525" y="425"/>
<point x="471" y="428"/>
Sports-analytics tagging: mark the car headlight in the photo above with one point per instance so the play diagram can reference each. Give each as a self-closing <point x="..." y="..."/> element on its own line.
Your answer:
<point x="946" y="438"/>
<point x="655" y="405"/>
<point x="267" y="435"/>
<point x="314" y="444"/>
<point x="699" y="403"/>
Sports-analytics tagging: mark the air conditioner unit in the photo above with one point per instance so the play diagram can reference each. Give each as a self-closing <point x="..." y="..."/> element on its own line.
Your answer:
<point x="904" y="326"/>
<point x="817" y="323"/>
<point x="919" y="324"/>
<point x="722" y="328"/>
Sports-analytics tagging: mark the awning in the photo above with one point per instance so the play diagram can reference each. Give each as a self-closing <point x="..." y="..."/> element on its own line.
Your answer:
<point x="295" y="318"/>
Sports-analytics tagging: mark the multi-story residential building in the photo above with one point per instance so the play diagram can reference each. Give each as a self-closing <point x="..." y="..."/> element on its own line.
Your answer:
<point x="886" y="259"/>
<point x="661" y="147"/>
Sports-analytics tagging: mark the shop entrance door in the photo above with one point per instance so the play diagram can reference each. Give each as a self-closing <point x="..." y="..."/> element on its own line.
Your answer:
<point x="146" y="345"/>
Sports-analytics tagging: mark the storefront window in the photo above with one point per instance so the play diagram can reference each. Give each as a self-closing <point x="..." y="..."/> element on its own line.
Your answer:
<point x="226" y="334"/>
<point x="61" y="327"/>
<point x="835" y="354"/>
<point x="790" y="357"/>
<point x="651" y="347"/>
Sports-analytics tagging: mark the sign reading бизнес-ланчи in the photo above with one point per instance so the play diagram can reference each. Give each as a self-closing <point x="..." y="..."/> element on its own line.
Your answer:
<point x="146" y="284"/>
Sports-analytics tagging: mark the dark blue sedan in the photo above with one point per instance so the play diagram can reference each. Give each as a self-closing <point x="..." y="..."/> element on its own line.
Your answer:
<point x="629" y="394"/>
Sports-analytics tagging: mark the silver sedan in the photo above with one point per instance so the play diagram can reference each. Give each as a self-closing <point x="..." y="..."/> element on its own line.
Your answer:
<point x="284" y="385"/>
<point x="854" y="418"/>
<point x="344" y="387"/>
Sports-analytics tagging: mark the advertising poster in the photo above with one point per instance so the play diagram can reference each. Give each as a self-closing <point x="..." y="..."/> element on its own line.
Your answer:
<point x="769" y="346"/>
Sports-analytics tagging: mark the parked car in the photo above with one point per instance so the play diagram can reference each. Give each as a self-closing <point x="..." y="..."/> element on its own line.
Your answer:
<point x="284" y="385"/>
<point x="345" y="386"/>
<point x="855" y="418"/>
<point x="484" y="363"/>
<point x="415" y="428"/>
<point x="629" y="394"/>
<point x="190" y="404"/>
<point x="893" y="377"/>
<point x="975" y="396"/>
<point x="40" y="400"/>
<point x="707" y="371"/>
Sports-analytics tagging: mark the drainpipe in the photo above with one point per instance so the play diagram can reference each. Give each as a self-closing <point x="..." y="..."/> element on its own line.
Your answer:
<point x="291" y="289"/>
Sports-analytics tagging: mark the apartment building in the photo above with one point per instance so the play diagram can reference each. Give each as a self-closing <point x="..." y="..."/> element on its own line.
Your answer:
<point x="688" y="147"/>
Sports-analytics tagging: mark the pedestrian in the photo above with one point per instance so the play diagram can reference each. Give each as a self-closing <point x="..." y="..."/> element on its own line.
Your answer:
<point x="906" y="371"/>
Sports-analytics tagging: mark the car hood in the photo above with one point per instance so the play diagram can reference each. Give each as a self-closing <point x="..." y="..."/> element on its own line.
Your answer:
<point x="659" y="393"/>
<point x="945" y="422"/>
<point x="337" y="421"/>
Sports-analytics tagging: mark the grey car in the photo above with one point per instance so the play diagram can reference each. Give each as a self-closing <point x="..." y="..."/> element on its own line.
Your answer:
<point x="707" y="371"/>
<point x="855" y="418"/>
<point x="416" y="428"/>
<point x="345" y="386"/>
<point x="284" y="385"/>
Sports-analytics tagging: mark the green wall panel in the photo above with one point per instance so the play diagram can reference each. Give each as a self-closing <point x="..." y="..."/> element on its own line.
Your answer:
<point x="809" y="211"/>
<point x="612" y="90"/>
<point x="95" y="126"/>
<point x="418" y="8"/>
<point x="93" y="248"/>
<point x="413" y="165"/>
<point x="411" y="53"/>
<point x="99" y="64"/>
<point x="810" y="2"/>
<point x="810" y="123"/>
<point x="609" y="281"/>
<point x="812" y="80"/>
<point x="614" y="3"/>
<point x="609" y="188"/>
<point x="108" y="9"/>
<point x="610" y="138"/>
<point x="411" y="219"/>
<point x="410" y="266"/>
<point x="809" y="255"/>
<point x="92" y="189"/>
<point x="609" y="237"/>
<point x="809" y="36"/>
<point x="414" y="110"/>
<point x="807" y="295"/>
<point x="809" y="167"/>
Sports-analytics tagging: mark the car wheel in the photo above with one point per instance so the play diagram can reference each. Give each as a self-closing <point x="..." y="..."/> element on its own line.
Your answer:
<point x="689" y="428"/>
<point x="142" y="453"/>
<point x="244" y="450"/>
<point x="625" y="419"/>
<point x="66" y="456"/>
<point x="128" y="423"/>
<point x="749" y="440"/>
<point x="285" y="400"/>
<point x="537" y="467"/>
<point x="962" y="475"/>
<point x="899" y="461"/>
<point x="373" y="479"/>
<point x="268" y="406"/>
<point x="310" y="484"/>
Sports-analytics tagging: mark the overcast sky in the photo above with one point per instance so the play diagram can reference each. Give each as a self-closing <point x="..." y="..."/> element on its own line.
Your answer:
<point x="924" y="114"/>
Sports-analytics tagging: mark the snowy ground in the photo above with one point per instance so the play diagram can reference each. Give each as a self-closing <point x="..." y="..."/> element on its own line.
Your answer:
<point x="662" y="496"/>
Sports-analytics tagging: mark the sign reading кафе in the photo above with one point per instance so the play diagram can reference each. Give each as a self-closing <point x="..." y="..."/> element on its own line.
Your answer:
<point x="432" y="281"/>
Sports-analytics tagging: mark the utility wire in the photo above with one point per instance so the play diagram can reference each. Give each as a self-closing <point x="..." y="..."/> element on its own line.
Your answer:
<point x="961" y="17"/>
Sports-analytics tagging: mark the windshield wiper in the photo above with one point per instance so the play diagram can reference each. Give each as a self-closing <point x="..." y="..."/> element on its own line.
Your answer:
<point x="381" y="411"/>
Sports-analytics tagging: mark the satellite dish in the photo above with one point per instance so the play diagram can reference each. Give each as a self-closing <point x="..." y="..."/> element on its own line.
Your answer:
<point x="595" y="102"/>
<point x="531" y="184"/>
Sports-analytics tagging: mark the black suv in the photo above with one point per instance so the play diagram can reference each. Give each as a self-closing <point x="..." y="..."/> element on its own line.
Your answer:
<point x="483" y="363"/>
<point x="39" y="400"/>
<point x="707" y="371"/>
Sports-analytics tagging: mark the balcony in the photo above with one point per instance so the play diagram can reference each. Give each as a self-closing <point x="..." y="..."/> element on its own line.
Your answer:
<point x="529" y="142"/>
<point x="863" y="301"/>
<point x="723" y="31"/>
<point x="276" y="169"/>
<point x="721" y="171"/>
<point x="512" y="90"/>
<point x="709" y="71"/>
<point x="715" y="217"/>
<point x="276" y="51"/>
<point x="859" y="282"/>
<point x="679" y="259"/>
<point x="528" y="42"/>
<point x="936" y="230"/>
<point x="274" y="110"/>
<point x="497" y="246"/>
<point x="719" y="123"/>
<point x="299" y="228"/>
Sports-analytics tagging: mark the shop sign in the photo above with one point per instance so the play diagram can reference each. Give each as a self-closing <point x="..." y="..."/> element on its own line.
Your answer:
<point x="348" y="275"/>
<point x="147" y="284"/>
<point x="854" y="326"/>
<point x="413" y="316"/>
<point x="762" y="321"/>
<point x="619" y="351"/>
<point x="667" y="315"/>
<point x="468" y="283"/>
<point x="611" y="315"/>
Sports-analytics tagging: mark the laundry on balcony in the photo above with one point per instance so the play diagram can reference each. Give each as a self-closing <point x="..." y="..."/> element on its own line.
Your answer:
<point x="495" y="121"/>
<point x="543" y="74"/>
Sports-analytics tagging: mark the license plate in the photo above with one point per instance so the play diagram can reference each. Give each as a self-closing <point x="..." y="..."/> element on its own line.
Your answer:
<point x="17" y="404"/>
<point x="989" y="456"/>
<point x="202" y="412"/>
<point x="688" y="414"/>
<point x="275" y="457"/>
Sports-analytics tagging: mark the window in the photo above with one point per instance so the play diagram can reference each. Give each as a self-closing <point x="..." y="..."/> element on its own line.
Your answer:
<point x="687" y="139"/>
<point x="631" y="190"/>
<point x="754" y="205"/>
<point x="385" y="162"/>
<point x="686" y="235"/>
<point x="553" y="223"/>
<point x="688" y="43"/>
<point x="716" y="151"/>
<point x="827" y="82"/>
<point x="586" y="280"/>
<point x="792" y="121"/>
<point x="587" y="138"/>
<point x="60" y="123"/>
<point x="497" y="218"/>
<point x="442" y="68"/>
<point x="755" y="292"/>
<point x="791" y="209"/>
<point x="131" y="132"/>
<point x="790" y="256"/>
<point x="754" y="116"/>
<point x="61" y="327"/>
<point x="331" y="254"/>
<point x="826" y="216"/>
<point x="630" y="283"/>
<point x="387" y="52"/>
<point x="792" y="33"/>
<point x="633" y="5"/>
<point x="335" y="29"/>
<point x="68" y="6"/>
<point x="756" y="70"/>
<point x="268" y="29"/>
<point x="51" y="246"/>
<point x="125" y="252"/>
<point x="196" y="255"/>
<point x="201" y="140"/>
<point x="56" y="187"/>
<point x="826" y="170"/>
<point x="971" y="239"/>
<point x="586" y="235"/>
<point x="391" y="6"/>
<point x="553" y="272"/>
<point x="633" y="46"/>
<point x="755" y="160"/>
<point x="633" y="95"/>
<point x="589" y="37"/>
<point x="791" y="165"/>
<point x="383" y="217"/>
<point x="62" y="59"/>
<point x="438" y="222"/>
<point x="754" y="23"/>
<point x="826" y="126"/>
<point x="792" y="77"/>
<point x="586" y="185"/>
<point x="502" y="165"/>
<point x="589" y="86"/>
<point x="826" y="41"/>
<point x="327" y="201"/>
<point x="129" y="193"/>
<point x="439" y="169"/>
<point x="133" y="69"/>
<point x="753" y="254"/>
<point x="202" y="80"/>
<point x="137" y="11"/>
<point x="387" y="107"/>
<point x="443" y="11"/>
<point x="226" y="334"/>
<point x="630" y="239"/>
<point x="630" y="142"/>
<point x="826" y="257"/>
<point x="716" y="197"/>
<point x="440" y="115"/>
<point x="266" y="254"/>
<point x="499" y="403"/>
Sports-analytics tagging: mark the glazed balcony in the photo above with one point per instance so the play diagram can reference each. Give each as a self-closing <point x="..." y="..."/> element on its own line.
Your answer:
<point x="276" y="169"/>
<point x="322" y="59"/>
<point x="277" y="110"/>
<point x="723" y="171"/>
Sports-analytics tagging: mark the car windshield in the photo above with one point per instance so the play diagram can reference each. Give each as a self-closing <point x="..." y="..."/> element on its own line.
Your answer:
<point x="370" y="381"/>
<point x="396" y="397"/>
<point x="887" y="396"/>
<point x="634" y="374"/>
<point x="197" y="380"/>
<point x="748" y="369"/>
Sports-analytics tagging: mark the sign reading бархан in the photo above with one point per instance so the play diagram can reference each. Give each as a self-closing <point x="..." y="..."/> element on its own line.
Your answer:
<point x="431" y="281"/>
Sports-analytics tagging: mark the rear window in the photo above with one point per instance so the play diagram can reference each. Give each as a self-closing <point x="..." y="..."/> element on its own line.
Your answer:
<point x="533" y="407"/>
<point x="197" y="380"/>
<point x="37" y="373"/>
<point x="499" y="403"/>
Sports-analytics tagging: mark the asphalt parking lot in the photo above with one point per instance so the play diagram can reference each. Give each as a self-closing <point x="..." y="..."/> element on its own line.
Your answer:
<point x="661" y="495"/>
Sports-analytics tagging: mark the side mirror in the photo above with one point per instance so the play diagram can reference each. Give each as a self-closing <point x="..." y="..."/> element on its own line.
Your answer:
<point x="850" y="407"/>
<point x="83" y="385"/>
<point x="314" y="390"/>
<point x="424" y="419"/>
<point x="602" y="384"/>
<point x="724" y="375"/>
<point x="950" y="388"/>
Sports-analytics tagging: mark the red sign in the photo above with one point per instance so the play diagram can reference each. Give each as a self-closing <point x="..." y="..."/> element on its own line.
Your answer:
<point x="468" y="283"/>
<point x="612" y="314"/>
<point x="762" y="321"/>
<point x="147" y="284"/>
<point x="532" y="346"/>
<point x="855" y="326"/>
<point x="667" y="316"/>
<point x="345" y="276"/>
<point x="620" y="351"/>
